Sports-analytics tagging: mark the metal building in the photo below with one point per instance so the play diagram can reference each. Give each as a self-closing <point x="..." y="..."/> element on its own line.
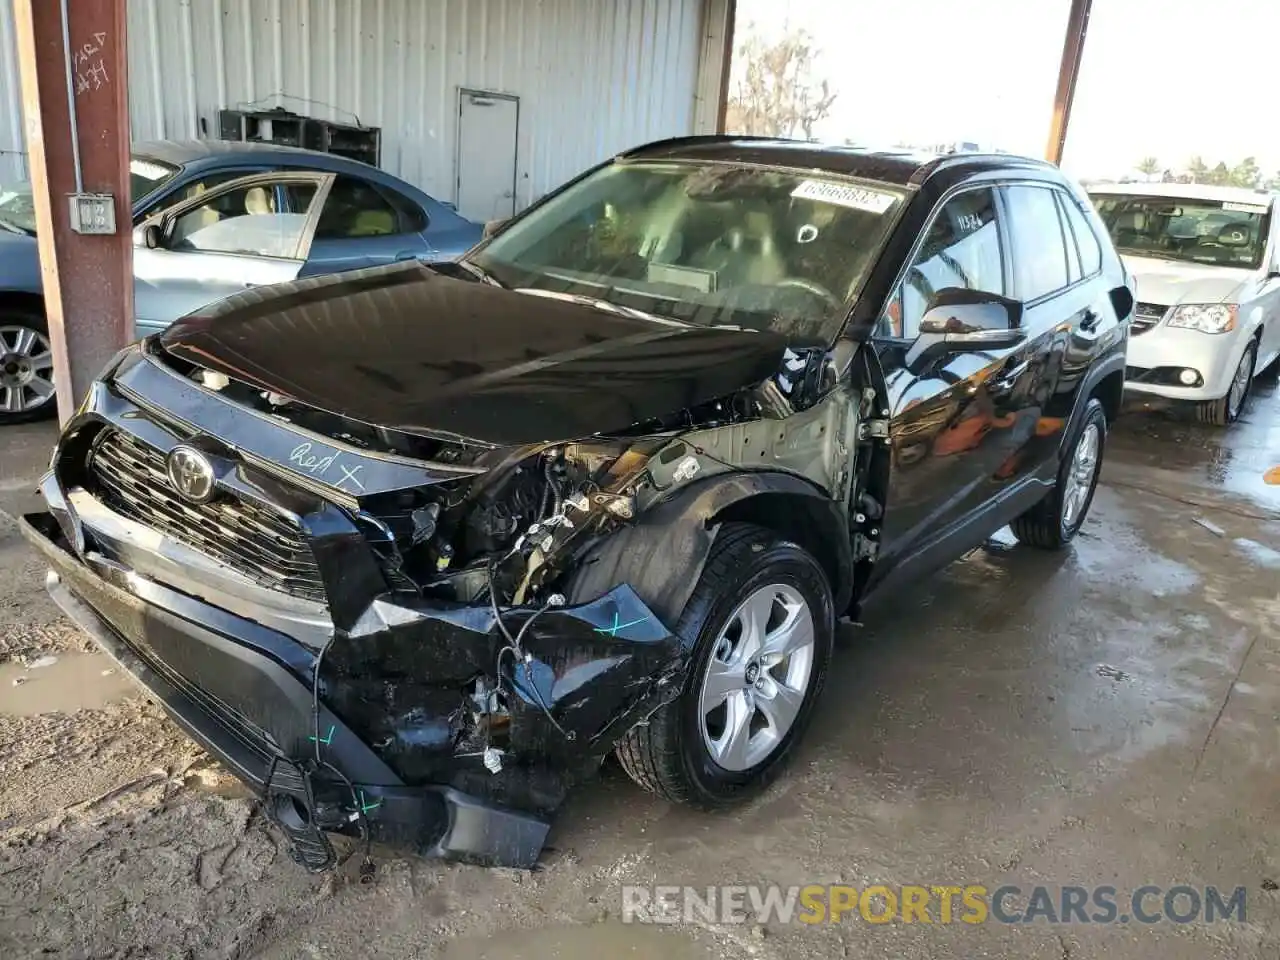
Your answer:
<point x="486" y="103"/>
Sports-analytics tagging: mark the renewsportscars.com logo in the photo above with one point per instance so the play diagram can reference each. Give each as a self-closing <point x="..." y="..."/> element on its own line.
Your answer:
<point x="943" y="904"/>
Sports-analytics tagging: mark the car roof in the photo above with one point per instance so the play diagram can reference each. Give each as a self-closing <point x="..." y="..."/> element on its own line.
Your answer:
<point x="1185" y="191"/>
<point x="907" y="167"/>
<point x="217" y="153"/>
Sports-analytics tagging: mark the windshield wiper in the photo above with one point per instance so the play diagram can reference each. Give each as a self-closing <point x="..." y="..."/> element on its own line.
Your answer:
<point x="480" y="273"/>
<point x="14" y="228"/>
<point x="608" y="306"/>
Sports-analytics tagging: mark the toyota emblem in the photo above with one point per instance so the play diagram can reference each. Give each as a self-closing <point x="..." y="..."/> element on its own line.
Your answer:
<point x="191" y="474"/>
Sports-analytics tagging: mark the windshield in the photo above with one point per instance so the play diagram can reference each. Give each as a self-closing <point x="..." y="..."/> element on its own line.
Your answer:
<point x="1217" y="232"/>
<point x="706" y="244"/>
<point x="147" y="175"/>
<point x="17" y="206"/>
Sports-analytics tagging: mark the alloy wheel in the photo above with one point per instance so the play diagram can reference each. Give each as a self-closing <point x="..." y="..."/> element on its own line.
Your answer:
<point x="1240" y="384"/>
<point x="26" y="369"/>
<point x="1080" y="477"/>
<point x="757" y="677"/>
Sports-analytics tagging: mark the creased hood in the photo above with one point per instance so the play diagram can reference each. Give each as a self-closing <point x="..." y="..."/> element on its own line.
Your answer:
<point x="1168" y="282"/>
<point x="415" y="349"/>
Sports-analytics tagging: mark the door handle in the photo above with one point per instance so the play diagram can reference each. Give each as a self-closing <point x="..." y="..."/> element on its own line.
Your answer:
<point x="1090" y="321"/>
<point x="406" y="255"/>
<point x="1009" y="379"/>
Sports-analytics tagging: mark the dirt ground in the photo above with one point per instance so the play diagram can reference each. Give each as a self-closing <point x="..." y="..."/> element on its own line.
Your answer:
<point x="1103" y="716"/>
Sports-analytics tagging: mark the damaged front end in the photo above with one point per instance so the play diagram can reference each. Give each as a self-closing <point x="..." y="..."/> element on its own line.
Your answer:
<point x="380" y="646"/>
<point x="406" y="635"/>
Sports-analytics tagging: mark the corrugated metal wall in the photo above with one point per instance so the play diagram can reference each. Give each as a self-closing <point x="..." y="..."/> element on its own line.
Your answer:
<point x="12" y="159"/>
<point x="593" y="76"/>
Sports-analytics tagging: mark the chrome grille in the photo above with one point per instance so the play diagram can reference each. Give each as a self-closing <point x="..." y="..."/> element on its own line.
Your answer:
<point x="1146" y="316"/>
<point x="266" y="546"/>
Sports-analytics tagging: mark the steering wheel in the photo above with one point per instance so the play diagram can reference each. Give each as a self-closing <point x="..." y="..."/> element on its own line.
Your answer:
<point x="808" y="286"/>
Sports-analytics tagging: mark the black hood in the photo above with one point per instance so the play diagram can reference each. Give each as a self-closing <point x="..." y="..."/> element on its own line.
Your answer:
<point x="414" y="349"/>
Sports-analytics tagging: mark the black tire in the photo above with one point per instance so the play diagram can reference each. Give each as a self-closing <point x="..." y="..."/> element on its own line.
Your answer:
<point x="1220" y="412"/>
<point x="1045" y="525"/>
<point x="32" y="320"/>
<point x="667" y="754"/>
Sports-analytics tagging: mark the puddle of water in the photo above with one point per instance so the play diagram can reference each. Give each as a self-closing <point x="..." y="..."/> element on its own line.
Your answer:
<point x="611" y="939"/>
<point x="74" y="682"/>
<point x="1259" y="553"/>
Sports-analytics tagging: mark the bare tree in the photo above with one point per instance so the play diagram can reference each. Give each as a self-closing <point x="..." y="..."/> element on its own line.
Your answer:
<point x="773" y="89"/>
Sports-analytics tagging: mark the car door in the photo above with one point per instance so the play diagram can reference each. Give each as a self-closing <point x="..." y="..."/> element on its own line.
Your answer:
<point x="1061" y="317"/>
<point x="1070" y="323"/>
<point x="249" y="232"/>
<point x="363" y="224"/>
<point x="948" y="414"/>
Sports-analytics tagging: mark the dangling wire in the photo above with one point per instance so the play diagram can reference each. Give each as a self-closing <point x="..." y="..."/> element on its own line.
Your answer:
<point x="517" y="651"/>
<point x="366" y="837"/>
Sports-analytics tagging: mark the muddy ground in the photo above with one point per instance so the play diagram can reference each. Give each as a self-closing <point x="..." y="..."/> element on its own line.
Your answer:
<point x="1108" y="715"/>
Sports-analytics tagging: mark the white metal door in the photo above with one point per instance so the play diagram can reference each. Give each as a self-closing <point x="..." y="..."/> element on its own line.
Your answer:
<point x="487" y="128"/>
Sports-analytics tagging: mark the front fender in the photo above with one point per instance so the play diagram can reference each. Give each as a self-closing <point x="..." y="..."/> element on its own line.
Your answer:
<point x="662" y="555"/>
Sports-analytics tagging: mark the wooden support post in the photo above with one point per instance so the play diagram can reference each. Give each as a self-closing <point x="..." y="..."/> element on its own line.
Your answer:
<point x="87" y="278"/>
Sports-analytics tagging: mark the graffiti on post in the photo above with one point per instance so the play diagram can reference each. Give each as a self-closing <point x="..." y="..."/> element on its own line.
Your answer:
<point x="91" y="71"/>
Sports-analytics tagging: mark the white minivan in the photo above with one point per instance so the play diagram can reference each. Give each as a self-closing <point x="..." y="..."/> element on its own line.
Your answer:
<point x="1205" y="262"/>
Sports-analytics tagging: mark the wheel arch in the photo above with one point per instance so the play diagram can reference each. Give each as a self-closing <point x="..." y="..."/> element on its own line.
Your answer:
<point x="1105" y="382"/>
<point x="662" y="555"/>
<point x="21" y="300"/>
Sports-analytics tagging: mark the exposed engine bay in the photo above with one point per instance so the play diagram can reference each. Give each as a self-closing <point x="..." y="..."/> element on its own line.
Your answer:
<point x="514" y="529"/>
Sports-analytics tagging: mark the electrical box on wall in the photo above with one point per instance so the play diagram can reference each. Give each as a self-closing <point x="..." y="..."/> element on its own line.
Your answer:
<point x="93" y="213"/>
<point x="295" y="130"/>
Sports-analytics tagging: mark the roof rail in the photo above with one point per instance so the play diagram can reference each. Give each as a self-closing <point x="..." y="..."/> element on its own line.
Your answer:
<point x="696" y="138"/>
<point x="956" y="159"/>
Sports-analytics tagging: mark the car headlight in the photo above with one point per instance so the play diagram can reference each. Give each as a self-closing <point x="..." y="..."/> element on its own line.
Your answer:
<point x="1205" y="317"/>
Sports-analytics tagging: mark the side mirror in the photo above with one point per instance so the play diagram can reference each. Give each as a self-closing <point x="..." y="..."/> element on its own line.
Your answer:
<point x="493" y="226"/>
<point x="960" y="320"/>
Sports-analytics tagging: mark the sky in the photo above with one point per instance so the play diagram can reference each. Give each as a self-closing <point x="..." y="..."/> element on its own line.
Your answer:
<point x="1164" y="78"/>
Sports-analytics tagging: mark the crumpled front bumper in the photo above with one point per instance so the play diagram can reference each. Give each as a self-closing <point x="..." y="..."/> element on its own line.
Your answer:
<point x="236" y="688"/>
<point x="393" y="719"/>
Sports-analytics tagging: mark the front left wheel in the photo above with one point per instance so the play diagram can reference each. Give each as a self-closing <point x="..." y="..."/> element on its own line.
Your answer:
<point x="763" y="623"/>
<point x="1226" y="410"/>
<point x="26" y="368"/>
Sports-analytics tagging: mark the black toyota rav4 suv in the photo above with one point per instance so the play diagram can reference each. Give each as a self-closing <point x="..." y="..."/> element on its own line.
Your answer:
<point x="413" y="549"/>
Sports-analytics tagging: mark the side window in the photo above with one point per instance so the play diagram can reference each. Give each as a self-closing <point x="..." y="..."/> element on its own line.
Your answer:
<point x="1039" y="251"/>
<point x="244" y="221"/>
<point x="1073" y="252"/>
<point x="1086" y="239"/>
<point x="189" y="191"/>
<point x="356" y="208"/>
<point x="962" y="249"/>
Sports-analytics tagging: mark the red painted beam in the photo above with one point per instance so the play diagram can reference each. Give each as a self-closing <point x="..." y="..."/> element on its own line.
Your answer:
<point x="88" y="279"/>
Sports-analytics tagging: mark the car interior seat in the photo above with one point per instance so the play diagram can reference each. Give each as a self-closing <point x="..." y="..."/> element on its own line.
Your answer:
<point x="194" y="220"/>
<point x="372" y="223"/>
<point x="257" y="201"/>
<point x="753" y="245"/>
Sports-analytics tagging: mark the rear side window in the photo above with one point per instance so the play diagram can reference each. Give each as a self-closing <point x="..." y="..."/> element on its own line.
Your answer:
<point x="1086" y="239"/>
<point x="1074" y="273"/>
<point x="357" y="209"/>
<point x="1039" y="247"/>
